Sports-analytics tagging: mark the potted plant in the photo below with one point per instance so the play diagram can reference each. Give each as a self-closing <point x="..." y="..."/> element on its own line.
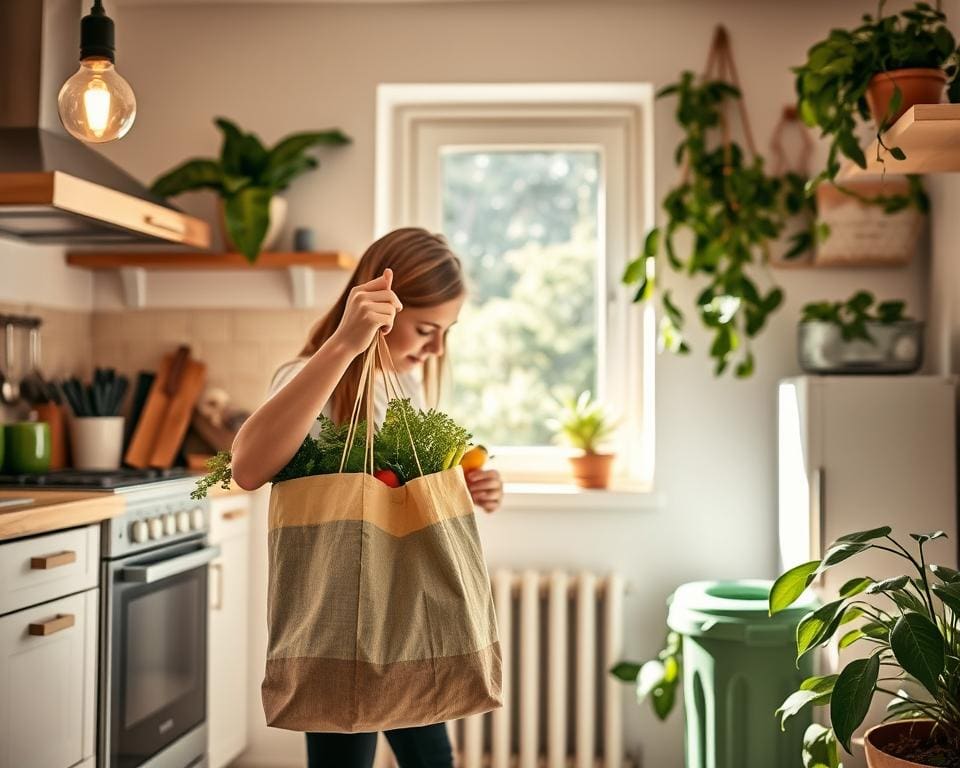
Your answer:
<point x="879" y="70"/>
<point x="248" y="178"/>
<point x="854" y="337"/>
<point x="911" y="639"/>
<point x="584" y="424"/>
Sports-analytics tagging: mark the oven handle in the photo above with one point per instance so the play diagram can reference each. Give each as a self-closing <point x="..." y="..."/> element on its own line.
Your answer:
<point x="147" y="574"/>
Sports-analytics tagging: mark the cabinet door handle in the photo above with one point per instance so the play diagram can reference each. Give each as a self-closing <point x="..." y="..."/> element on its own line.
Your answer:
<point x="234" y="514"/>
<point x="52" y="626"/>
<point x="217" y="569"/>
<point x="45" y="562"/>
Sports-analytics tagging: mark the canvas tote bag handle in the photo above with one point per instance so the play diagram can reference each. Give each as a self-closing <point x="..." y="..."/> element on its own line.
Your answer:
<point x="378" y="352"/>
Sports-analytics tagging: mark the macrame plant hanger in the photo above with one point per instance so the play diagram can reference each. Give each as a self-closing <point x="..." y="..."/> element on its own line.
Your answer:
<point x="721" y="66"/>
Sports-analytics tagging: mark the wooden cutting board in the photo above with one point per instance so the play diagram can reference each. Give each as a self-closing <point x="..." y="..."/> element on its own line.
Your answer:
<point x="177" y="419"/>
<point x="166" y="413"/>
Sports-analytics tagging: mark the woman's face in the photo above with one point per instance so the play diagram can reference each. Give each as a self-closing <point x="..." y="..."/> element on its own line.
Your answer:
<point x="419" y="332"/>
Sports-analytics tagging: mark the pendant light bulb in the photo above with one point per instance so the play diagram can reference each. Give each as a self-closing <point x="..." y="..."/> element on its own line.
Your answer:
<point x="96" y="104"/>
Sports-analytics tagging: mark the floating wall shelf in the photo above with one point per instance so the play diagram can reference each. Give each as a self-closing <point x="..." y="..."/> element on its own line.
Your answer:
<point x="928" y="134"/>
<point x="133" y="268"/>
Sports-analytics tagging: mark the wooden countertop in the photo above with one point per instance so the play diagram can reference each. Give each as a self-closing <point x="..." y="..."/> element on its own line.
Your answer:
<point x="55" y="510"/>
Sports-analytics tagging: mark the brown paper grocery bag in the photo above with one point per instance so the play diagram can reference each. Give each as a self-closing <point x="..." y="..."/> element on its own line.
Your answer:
<point x="380" y="612"/>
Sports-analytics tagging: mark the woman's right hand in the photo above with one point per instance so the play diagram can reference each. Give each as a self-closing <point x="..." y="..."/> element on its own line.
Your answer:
<point x="371" y="307"/>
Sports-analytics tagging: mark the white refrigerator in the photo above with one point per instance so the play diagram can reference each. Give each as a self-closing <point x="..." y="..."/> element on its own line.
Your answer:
<point x="859" y="452"/>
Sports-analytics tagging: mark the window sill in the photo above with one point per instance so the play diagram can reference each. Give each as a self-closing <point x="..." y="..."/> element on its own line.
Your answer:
<point x="559" y="497"/>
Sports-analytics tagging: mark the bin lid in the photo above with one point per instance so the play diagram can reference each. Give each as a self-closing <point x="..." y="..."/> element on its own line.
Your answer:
<point x="735" y="610"/>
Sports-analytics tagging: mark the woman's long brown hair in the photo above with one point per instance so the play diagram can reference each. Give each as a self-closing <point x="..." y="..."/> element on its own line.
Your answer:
<point x="425" y="273"/>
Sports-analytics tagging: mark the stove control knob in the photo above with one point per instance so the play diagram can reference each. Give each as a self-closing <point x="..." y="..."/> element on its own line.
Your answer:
<point x="196" y="518"/>
<point x="183" y="521"/>
<point x="138" y="531"/>
<point x="170" y="524"/>
<point x="155" y="524"/>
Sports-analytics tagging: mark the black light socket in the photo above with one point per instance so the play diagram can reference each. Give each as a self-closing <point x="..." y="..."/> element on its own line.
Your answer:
<point x="96" y="34"/>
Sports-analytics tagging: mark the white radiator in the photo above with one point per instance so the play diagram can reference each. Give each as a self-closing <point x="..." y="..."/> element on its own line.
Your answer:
<point x="559" y="634"/>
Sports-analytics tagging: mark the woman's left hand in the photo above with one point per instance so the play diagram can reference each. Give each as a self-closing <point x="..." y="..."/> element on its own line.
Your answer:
<point x="486" y="488"/>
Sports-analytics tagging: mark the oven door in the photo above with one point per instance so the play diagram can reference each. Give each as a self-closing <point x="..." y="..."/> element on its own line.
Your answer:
<point x="157" y="650"/>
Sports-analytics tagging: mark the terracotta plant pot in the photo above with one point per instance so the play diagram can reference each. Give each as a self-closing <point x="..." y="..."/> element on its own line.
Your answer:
<point x="278" y="215"/>
<point x="592" y="470"/>
<point x="880" y="736"/>
<point x="917" y="86"/>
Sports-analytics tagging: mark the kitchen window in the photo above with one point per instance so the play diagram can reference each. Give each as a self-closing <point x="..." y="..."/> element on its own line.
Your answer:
<point x="545" y="192"/>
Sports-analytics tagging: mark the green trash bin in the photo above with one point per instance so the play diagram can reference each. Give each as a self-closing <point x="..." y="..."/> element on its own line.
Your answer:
<point x="739" y="665"/>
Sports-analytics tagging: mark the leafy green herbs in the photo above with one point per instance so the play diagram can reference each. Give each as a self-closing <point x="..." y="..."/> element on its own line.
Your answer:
<point x="219" y="473"/>
<point x="853" y="314"/>
<point x="437" y="437"/>
<point x="439" y="440"/>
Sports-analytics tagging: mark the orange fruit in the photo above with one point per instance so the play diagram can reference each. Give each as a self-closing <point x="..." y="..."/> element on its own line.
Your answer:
<point x="475" y="458"/>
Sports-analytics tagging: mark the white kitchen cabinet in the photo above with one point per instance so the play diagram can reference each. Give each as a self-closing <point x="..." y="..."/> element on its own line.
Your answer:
<point x="227" y="652"/>
<point x="48" y="679"/>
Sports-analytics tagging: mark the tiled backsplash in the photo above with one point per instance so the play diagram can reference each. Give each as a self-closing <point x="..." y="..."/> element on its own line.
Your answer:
<point x="241" y="347"/>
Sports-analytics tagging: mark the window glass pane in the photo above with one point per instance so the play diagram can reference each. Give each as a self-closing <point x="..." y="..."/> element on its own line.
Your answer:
<point x="526" y="225"/>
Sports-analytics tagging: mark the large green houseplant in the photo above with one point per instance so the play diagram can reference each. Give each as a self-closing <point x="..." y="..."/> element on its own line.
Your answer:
<point x="852" y="70"/>
<point x="247" y="176"/>
<point x="910" y="633"/>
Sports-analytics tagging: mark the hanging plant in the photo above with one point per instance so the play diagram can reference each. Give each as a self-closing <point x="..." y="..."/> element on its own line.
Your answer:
<point x="732" y="210"/>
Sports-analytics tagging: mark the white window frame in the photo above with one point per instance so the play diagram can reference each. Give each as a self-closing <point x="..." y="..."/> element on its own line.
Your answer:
<point x="415" y="122"/>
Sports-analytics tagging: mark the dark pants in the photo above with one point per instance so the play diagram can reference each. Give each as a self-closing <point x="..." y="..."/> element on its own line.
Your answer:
<point x="427" y="746"/>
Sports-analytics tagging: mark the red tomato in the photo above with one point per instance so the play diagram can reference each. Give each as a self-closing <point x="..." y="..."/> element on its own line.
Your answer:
<point x="387" y="477"/>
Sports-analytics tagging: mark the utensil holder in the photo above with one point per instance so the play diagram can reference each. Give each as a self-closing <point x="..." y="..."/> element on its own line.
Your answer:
<point x="97" y="441"/>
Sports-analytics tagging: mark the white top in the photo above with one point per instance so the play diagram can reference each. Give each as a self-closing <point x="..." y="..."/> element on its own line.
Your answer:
<point x="411" y="382"/>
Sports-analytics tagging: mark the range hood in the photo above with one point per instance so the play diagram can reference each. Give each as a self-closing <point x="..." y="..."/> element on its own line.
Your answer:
<point x="53" y="188"/>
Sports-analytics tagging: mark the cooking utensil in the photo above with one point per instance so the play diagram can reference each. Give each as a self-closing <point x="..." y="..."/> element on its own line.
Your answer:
<point x="10" y="388"/>
<point x="33" y="387"/>
<point x="103" y="397"/>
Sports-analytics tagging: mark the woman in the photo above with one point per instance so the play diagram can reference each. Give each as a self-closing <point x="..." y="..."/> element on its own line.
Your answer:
<point x="408" y="286"/>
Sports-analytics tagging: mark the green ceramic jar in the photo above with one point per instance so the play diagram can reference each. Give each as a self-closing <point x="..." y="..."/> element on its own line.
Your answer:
<point x="27" y="446"/>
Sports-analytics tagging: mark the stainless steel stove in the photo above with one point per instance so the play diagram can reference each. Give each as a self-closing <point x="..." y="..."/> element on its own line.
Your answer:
<point x="153" y="630"/>
<point x="153" y="681"/>
<point x="90" y="480"/>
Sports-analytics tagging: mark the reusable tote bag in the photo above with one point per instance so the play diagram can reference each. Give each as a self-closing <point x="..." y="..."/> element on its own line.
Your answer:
<point x="379" y="605"/>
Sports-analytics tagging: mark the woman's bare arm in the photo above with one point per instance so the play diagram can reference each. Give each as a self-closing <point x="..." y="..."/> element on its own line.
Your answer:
<point x="273" y="433"/>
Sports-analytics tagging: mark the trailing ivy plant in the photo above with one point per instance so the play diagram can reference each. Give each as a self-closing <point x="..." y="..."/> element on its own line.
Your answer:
<point x="732" y="211"/>
<point x="852" y="315"/>
<point x="910" y="633"/>
<point x="832" y="83"/>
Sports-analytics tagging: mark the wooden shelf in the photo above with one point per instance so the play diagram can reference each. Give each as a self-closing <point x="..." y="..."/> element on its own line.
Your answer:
<point x="205" y="260"/>
<point x="929" y="135"/>
<point x="134" y="265"/>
